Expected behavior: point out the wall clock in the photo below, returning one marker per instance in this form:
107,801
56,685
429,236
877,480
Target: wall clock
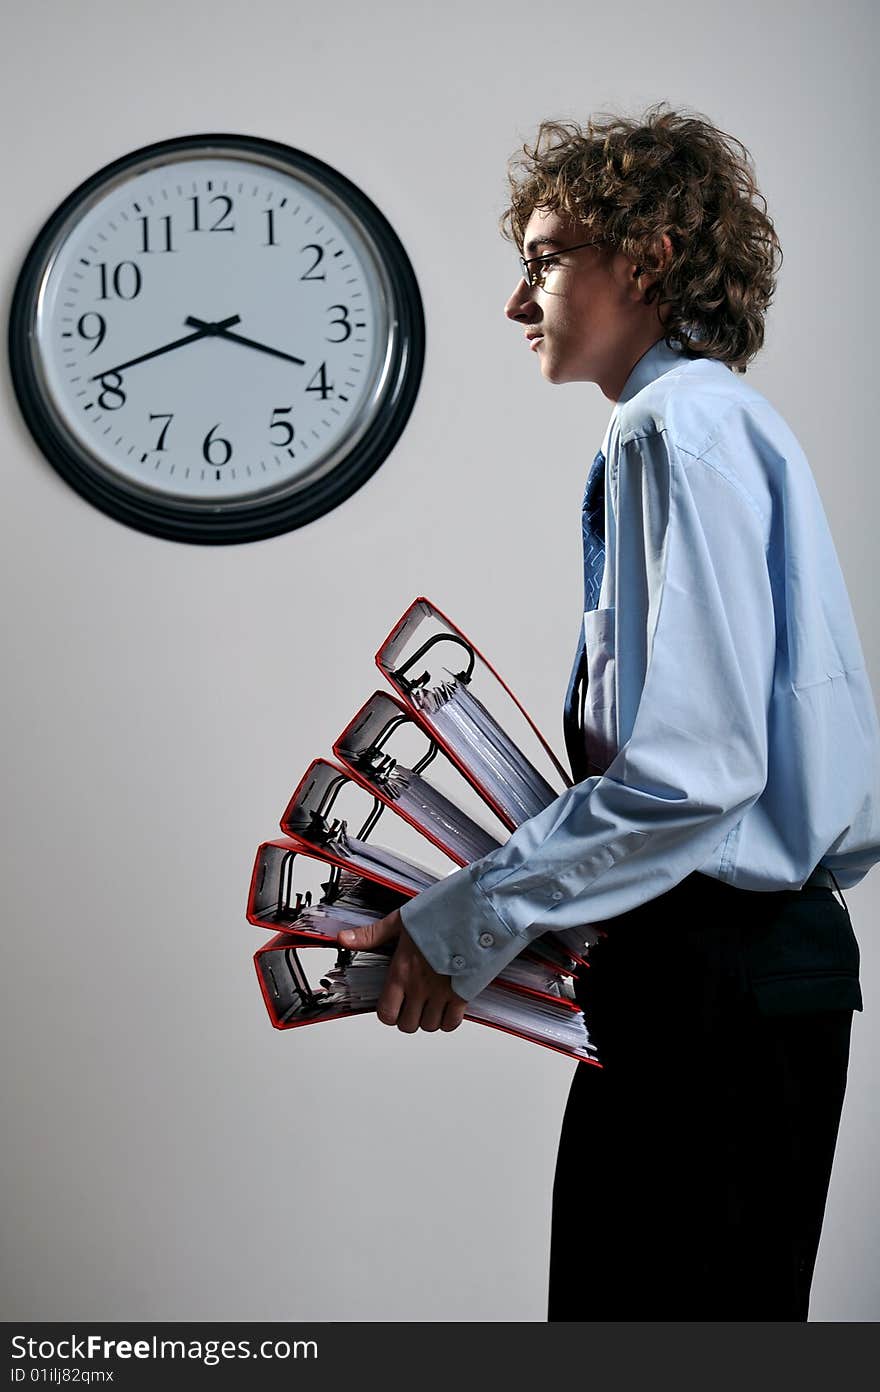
216,338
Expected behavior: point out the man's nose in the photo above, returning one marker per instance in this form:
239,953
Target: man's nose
521,305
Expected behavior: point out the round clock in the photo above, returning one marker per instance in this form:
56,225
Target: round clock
216,338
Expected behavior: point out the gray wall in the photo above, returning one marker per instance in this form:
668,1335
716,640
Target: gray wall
167,1154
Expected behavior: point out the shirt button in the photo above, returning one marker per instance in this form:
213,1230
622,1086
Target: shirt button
486,940
459,963
557,895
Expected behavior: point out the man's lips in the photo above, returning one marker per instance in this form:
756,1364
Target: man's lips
534,340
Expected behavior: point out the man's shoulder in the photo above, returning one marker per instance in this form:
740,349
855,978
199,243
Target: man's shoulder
701,411
690,404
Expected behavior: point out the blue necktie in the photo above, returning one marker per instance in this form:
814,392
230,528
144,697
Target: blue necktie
593,521
593,527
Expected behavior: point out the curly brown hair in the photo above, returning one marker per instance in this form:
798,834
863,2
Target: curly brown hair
628,181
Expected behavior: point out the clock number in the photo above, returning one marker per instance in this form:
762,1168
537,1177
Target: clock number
208,444
324,387
218,197
99,336
308,275
270,214
160,415
111,388
344,323
145,221
117,280
283,425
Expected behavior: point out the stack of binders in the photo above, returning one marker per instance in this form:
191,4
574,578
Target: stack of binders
457,782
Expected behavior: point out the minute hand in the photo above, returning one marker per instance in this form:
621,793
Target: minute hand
222,332
204,331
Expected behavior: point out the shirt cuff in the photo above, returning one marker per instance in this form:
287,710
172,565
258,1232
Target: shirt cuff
459,933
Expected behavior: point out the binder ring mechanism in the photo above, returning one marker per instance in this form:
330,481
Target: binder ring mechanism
412,683
332,890
380,766
309,1000
322,830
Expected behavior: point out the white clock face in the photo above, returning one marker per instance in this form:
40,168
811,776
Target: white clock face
213,329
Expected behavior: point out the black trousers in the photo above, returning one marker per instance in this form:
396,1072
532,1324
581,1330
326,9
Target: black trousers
693,1168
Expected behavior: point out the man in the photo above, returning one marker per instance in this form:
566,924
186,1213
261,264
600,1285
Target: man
726,757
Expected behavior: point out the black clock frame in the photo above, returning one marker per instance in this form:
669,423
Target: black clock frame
234,521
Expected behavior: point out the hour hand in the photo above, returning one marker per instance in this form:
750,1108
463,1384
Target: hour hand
204,330
222,331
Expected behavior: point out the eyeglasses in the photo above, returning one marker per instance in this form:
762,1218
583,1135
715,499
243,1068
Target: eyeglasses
536,278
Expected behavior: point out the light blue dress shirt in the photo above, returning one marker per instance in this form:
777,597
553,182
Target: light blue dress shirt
728,715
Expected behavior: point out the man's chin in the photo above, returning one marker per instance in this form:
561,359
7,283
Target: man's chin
552,372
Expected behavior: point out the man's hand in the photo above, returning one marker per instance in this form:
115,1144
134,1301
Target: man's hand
414,996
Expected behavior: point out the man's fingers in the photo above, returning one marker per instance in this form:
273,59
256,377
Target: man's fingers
411,1014
371,934
432,1015
359,939
453,1014
390,1003
414,996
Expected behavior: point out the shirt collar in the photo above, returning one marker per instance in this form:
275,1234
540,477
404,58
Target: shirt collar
658,359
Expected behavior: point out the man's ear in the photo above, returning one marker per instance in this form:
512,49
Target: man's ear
643,279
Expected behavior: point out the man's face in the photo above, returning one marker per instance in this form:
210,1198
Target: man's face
589,321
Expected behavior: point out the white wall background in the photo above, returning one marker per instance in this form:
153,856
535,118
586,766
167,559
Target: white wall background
167,1155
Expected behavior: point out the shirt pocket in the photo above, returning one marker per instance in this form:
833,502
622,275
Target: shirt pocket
600,702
